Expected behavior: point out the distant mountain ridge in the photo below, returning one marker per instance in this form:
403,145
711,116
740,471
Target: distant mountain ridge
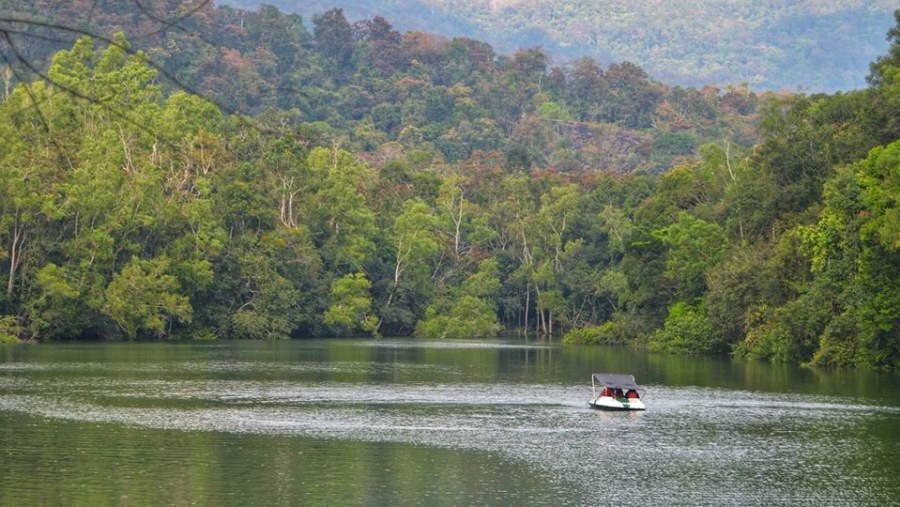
807,45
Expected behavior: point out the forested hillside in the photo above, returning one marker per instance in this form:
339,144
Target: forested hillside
817,45
394,184
368,85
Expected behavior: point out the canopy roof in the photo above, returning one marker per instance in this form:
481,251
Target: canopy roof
616,380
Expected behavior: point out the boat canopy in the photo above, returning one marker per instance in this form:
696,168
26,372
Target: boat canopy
616,380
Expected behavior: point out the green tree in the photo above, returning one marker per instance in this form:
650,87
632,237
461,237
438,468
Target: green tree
855,249
333,36
469,312
553,111
878,67
144,299
337,209
695,246
414,241
687,330
351,304
267,302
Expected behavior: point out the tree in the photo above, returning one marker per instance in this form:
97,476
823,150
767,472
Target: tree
266,305
454,216
333,36
553,111
351,305
855,248
143,298
695,246
414,241
335,205
617,226
885,107
878,68
469,312
26,202
687,330
530,62
586,88
740,286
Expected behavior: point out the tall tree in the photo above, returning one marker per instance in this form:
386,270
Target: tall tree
333,37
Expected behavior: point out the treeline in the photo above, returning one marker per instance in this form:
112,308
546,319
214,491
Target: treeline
692,43
131,211
819,45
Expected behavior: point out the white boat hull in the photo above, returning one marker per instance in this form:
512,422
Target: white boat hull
610,403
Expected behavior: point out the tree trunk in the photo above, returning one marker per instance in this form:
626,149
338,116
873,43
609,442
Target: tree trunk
398,269
541,321
458,223
15,254
550,319
527,304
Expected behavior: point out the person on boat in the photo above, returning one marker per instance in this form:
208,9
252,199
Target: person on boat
631,394
605,392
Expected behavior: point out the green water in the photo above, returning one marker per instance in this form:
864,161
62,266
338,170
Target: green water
401,422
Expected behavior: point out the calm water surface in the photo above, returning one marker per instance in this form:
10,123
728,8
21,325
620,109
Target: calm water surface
401,422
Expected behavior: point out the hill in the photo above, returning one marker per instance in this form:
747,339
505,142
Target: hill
370,85
809,45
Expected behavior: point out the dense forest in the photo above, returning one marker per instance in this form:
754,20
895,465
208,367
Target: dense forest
218,173
817,45
366,85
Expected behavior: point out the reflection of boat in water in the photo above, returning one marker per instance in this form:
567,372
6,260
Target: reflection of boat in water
617,391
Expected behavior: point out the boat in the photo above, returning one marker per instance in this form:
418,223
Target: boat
616,391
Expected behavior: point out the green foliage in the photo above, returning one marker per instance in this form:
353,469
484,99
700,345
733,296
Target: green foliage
672,144
879,178
334,36
67,302
855,251
427,186
469,312
788,333
695,246
553,111
877,68
142,298
449,97
846,313
740,285
687,329
678,41
351,304
265,282
10,330
338,208
466,317
608,333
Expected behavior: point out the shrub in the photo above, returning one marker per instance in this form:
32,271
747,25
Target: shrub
607,333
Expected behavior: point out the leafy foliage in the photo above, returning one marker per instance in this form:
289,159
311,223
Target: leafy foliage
430,187
351,307
688,329
451,97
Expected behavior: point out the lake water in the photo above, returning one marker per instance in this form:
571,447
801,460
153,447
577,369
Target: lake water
403,422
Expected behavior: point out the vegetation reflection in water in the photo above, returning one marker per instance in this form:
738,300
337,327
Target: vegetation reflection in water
404,422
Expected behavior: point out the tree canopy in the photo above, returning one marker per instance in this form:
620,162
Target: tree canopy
415,185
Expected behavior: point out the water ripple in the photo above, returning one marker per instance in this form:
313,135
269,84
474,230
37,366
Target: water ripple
754,448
